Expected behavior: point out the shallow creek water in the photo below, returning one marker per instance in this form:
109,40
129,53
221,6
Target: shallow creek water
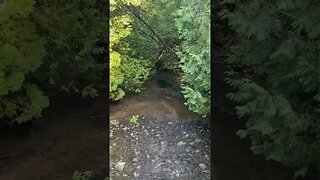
169,142
70,136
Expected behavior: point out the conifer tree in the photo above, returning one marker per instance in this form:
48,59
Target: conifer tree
277,78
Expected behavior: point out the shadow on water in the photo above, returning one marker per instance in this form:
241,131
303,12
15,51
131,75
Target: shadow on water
70,136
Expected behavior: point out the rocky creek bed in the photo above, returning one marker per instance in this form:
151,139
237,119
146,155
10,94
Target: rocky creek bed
169,141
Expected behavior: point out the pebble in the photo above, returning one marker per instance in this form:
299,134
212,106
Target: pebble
202,166
170,123
114,144
181,143
125,128
158,135
136,174
135,159
120,166
177,173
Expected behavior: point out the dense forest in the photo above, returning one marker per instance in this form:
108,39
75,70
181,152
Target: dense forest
270,49
47,47
146,37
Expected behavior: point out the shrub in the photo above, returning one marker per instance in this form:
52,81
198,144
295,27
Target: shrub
193,23
21,53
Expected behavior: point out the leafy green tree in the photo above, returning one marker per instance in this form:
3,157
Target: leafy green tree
276,76
21,53
128,68
48,45
193,22
75,32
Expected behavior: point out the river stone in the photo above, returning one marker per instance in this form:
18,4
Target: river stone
202,166
120,166
136,174
181,143
135,159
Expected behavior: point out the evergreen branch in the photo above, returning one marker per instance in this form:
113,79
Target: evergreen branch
280,11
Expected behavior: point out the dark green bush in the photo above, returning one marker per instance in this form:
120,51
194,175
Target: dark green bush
50,45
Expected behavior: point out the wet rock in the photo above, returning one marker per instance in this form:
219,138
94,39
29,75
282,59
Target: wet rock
120,166
181,143
202,166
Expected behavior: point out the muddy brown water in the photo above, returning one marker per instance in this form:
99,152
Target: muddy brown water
70,136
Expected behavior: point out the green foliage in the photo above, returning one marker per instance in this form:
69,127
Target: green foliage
158,15
193,23
119,29
75,34
137,71
21,52
278,86
48,45
114,122
81,175
134,119
128,69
